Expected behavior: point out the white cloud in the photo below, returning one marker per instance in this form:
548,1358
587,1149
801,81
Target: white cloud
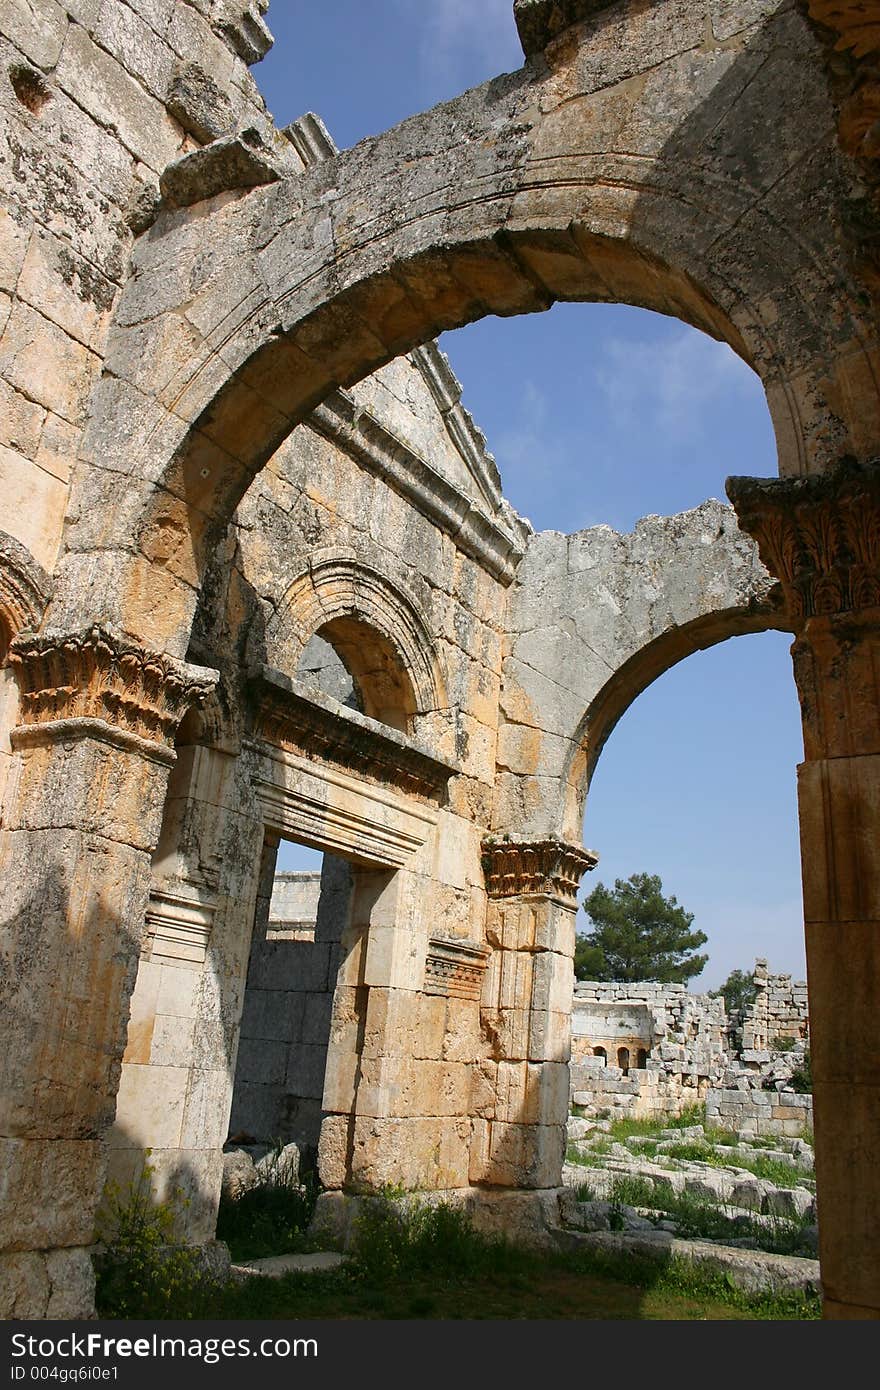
454,30
671,386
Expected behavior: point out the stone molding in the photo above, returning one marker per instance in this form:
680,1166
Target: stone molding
25,587
551,868
455,968
366,439
101,678
337,812
179,920
820,536
317,726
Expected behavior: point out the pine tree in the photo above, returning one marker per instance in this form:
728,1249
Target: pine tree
638,934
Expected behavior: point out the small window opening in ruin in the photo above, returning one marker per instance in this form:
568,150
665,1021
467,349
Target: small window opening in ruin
623,1059
358,666
30,87
641,1059
600,1052
303,907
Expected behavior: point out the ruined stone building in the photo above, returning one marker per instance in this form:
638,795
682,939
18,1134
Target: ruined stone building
653,1050
227,432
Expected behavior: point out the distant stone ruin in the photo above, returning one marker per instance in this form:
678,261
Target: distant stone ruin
654,1049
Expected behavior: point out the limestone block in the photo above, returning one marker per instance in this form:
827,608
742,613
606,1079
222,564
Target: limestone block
341,1080
46,364
48,1192
14,236
66,288
239,1173
123,34
206,1111
333,1149
790,1202
21,421
521,1156
103,87
306,1065
38,30
417,1153
195,100
239,161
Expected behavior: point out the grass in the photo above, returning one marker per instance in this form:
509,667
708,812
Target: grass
699,1218
428,1262
651,1127
269,1219
773,1170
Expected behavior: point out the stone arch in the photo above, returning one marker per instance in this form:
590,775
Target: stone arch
25,588
610,169
634,676
375,628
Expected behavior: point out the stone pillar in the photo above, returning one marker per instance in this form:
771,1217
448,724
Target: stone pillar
175,1088
95,748
821,538
520,1097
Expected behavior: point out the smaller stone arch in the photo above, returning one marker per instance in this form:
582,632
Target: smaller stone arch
623,1059
25,589
376,630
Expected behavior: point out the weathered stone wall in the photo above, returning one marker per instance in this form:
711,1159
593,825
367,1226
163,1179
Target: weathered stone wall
683,1035
285,1025
751,1110
779,1012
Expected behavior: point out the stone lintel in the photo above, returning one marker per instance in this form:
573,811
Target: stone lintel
536,868
305,721
238,161
539,22
97,678
819,535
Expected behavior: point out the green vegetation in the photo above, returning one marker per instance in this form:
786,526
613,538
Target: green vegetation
651,1127
638,934
701,1218
269,1219
410,1260
802,1076
772,1169
142,1269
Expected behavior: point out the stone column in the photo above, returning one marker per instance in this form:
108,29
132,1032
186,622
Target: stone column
520,1097
95,747
821,538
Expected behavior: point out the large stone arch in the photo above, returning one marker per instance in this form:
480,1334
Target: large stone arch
594,618
628,162
337,588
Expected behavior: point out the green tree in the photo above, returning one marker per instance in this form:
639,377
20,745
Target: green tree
738,991
638,934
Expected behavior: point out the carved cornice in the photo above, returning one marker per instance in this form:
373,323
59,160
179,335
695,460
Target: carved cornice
98,675
536,867
856,23
302,721
820,536
25,587
455,968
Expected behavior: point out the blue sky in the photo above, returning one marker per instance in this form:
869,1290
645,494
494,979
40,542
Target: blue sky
601,413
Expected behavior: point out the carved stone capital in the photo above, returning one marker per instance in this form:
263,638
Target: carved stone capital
820,537
855,22
97,675
549,868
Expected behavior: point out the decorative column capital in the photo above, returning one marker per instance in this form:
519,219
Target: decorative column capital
547,868
819,536
98,678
